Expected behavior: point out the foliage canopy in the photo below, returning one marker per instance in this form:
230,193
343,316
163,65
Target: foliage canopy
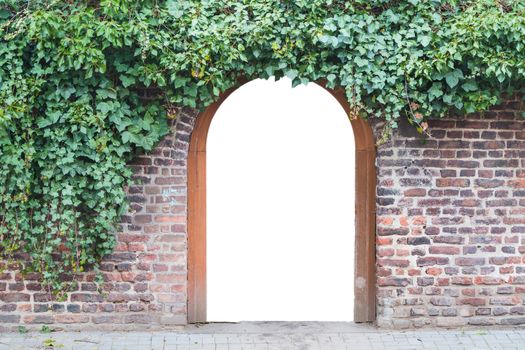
86,85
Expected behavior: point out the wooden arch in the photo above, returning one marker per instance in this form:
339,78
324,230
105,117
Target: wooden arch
365,198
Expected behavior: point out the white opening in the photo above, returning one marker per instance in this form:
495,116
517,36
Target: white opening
280,206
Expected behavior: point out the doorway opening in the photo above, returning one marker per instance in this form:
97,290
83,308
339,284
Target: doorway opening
280,199
271,208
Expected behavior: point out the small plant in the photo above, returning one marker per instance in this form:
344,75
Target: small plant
51,344
22,330
45,329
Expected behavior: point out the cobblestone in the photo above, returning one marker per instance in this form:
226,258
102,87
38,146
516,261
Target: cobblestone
272,336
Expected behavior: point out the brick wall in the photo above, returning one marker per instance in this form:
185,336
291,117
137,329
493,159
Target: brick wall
145,277
450,221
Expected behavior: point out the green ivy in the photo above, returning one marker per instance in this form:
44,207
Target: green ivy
86,85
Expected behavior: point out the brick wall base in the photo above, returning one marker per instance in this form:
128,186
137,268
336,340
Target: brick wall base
451,223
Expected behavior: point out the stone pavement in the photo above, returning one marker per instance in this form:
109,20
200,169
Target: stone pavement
271,335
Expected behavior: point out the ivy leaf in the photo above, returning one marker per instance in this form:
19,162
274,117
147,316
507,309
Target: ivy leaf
103,107
469,86
435,91
360,62
292,74
127,80
106,93
174,8
126,136
52,118
425,40
66,92
4,14
452,78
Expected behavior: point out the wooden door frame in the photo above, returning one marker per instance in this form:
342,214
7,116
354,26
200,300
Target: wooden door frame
365,199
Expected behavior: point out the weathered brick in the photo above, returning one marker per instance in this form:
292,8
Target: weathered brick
9,318
448,250
441,301
39,319
489,183
452,182
415,192
512,125
514,321
462,280
432,260
87,297
448,239
106,319
393,281
14,297
72,318
138,318
506,300
8,307
469,261
418,240
472,301
389,231
425,281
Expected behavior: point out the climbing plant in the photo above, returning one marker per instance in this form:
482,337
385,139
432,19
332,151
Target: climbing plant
86,85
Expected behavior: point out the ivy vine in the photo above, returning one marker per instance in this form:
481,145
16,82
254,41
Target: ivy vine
86,85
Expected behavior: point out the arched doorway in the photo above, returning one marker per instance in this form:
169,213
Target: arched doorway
364,284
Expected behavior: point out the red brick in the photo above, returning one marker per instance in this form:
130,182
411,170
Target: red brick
470,261
393,262
430,261
14,297
415,192
447,250
451,182
393,281
489,280
472,301
462,280
517,183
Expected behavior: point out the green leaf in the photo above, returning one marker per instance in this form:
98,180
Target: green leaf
103,107
292,74
360,62
469,86
127,80
4,14
452,78
425,40
174,8
52,118
435,91
126,136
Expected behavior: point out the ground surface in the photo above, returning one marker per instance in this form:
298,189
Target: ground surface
271,335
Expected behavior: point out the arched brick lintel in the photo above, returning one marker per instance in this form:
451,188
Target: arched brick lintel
365,192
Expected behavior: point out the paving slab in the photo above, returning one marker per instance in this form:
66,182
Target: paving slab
272,336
